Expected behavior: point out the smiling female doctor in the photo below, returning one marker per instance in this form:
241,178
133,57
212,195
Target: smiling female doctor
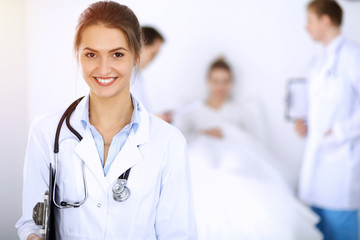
330,176
118,135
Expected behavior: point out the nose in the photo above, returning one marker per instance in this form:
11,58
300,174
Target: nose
104,67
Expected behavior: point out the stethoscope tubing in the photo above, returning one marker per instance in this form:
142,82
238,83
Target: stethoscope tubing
66,117
118,196
333,70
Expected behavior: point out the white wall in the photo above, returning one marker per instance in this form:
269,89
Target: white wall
13,118
264,40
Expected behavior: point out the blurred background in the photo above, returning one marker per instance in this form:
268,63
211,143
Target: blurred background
265,42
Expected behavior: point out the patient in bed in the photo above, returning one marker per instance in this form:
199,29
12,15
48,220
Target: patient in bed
238,193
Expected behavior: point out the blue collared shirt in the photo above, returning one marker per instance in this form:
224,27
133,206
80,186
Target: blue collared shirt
118,140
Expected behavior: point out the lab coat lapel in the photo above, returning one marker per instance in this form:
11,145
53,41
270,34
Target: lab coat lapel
127,158
87,151
130,154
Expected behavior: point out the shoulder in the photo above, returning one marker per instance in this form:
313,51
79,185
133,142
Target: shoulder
351,44
167,144
351,49
46,121
42,132
161,130
350,59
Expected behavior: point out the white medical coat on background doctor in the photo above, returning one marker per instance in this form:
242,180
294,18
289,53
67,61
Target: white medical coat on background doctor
159,207
330,176
139,89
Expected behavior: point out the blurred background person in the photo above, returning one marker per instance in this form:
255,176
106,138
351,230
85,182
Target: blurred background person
237,187
217,108
330,176
151,43
265,63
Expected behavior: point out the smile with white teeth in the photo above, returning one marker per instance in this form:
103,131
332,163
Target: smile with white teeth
105,80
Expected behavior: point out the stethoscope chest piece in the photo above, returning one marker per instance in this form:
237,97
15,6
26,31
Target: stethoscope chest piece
120,191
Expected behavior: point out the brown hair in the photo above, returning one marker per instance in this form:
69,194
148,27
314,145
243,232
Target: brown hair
327,7
219,63
112,15
150,34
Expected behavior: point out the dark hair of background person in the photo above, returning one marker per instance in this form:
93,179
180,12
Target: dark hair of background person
219,63
327,7
112,15
150,34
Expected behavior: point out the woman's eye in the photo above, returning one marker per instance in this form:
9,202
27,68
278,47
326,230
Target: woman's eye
90,55
118,55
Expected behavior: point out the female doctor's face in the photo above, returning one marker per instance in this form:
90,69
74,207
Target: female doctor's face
220,83
106,60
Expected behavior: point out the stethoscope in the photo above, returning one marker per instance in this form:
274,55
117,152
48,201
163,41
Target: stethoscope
329,74
332,72
120,191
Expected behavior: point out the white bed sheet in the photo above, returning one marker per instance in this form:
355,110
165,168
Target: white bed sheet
238,194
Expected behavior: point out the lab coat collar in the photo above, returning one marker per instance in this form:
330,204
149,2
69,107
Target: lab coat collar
135,119
140,136
129,155
334,44
77,115
87,151
86,148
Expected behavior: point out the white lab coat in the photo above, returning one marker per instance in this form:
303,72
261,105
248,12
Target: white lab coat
139,89
330,175
160,205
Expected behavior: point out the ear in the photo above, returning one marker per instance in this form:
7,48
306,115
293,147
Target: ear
325,19
137,61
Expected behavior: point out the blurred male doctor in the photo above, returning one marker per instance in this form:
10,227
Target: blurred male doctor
330,174
151,43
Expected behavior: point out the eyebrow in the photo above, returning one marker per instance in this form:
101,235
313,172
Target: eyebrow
113,50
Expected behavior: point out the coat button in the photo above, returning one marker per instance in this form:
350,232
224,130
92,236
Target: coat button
99,205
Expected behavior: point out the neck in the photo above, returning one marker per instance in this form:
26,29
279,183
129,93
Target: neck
215,102
107,113
330,35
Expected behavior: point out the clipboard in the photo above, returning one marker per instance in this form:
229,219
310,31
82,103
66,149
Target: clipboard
43,212
50,226
296,106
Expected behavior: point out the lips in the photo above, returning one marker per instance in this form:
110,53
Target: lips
105,81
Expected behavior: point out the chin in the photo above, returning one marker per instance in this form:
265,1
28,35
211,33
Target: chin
315,38
112,91
222,95
109,94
